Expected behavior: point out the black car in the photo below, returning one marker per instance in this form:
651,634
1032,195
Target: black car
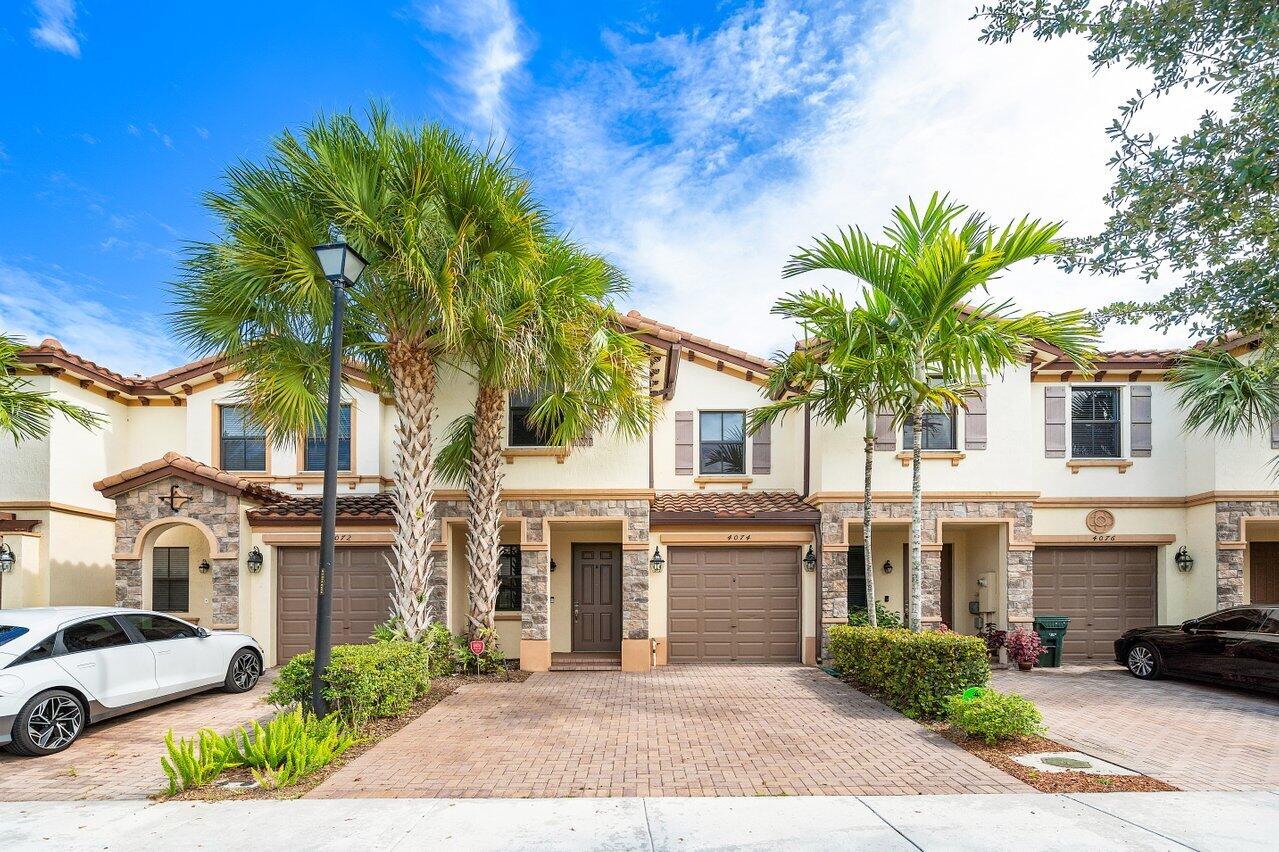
1238,646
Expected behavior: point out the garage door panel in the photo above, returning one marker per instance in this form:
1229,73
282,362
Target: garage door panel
732,603
360,601
1104,590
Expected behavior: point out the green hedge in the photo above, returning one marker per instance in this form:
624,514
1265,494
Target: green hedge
913,672
363,681
993,716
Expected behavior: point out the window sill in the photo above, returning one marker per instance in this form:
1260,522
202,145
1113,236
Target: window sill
730,479
557,453
1121,465
954,456
507,615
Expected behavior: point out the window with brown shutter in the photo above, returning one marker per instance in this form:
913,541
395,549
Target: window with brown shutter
885,435
762,449
1055,421
1139,414
684,443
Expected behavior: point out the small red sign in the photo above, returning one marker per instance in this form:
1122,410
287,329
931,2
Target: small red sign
477,647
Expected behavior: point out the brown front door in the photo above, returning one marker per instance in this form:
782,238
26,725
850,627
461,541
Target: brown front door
597,597
947,586
1105,591
1263,572
733,604
361,596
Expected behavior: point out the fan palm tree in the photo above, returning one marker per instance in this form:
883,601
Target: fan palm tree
27,414
433,216
846,363
1227,396
551,334
933,269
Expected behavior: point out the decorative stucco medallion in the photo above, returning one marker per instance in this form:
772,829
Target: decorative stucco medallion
1100,521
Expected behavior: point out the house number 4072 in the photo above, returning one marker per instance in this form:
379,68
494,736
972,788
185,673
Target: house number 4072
739,536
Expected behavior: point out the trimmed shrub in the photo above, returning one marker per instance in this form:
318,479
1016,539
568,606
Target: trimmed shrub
1024,647
913,672
437,640
993,716
883,617
362,682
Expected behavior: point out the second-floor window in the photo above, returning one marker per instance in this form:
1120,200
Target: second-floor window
313,452
1094,423
939,431
242,443
722,448
520,430
508,579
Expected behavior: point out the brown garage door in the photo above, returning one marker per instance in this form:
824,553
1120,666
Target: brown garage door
733,604
1104,590
361,585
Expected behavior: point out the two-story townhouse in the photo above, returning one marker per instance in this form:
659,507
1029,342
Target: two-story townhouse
1053,493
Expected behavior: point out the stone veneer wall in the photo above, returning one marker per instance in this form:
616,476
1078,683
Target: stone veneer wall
1230,560
535,564
1020,563
216,509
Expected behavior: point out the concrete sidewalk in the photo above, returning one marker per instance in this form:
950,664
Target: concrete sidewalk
1206,820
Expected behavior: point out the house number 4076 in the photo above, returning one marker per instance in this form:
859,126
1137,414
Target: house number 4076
739,536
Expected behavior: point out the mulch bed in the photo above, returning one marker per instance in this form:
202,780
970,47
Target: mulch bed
1000,755
372,734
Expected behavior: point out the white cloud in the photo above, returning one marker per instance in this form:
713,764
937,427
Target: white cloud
202,132
55,28
484,54
785,123
35,305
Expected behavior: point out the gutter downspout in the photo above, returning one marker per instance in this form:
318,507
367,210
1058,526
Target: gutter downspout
808,447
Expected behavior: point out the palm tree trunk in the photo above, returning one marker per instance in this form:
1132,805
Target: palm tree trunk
916,523
484,532
866,520
418,596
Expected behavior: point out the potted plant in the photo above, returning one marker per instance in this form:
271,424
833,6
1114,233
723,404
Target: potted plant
994,638
1024,648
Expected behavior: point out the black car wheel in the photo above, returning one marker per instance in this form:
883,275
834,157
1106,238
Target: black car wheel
1143,661
244,671
49,723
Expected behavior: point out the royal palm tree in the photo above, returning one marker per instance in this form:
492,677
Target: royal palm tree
432,215
550,333
27,414
933,269
846,363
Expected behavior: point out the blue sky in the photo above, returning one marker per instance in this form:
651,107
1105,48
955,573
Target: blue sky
696,143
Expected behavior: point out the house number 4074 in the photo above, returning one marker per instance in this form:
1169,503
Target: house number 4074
739,536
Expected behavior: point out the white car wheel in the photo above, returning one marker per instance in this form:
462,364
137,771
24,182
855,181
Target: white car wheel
48,724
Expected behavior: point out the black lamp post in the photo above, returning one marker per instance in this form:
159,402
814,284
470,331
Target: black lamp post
342,266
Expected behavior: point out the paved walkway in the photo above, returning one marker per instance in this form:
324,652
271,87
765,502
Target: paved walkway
1104,821
678,731
1193,736
120,759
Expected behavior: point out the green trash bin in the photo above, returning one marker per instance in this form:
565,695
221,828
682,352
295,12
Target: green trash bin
1052,633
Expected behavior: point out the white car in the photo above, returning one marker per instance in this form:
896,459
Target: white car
63,668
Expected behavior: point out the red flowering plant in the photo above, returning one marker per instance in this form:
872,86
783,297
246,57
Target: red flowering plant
1023,647
994,637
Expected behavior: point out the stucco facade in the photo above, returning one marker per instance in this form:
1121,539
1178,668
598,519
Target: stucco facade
1008,489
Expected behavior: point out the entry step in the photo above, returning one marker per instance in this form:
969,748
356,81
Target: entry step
579,662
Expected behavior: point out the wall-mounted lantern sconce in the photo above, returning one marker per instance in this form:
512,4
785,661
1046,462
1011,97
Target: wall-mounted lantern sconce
888,566
205,567
7,559
657,563
254,560
552,566
810,560
1184,561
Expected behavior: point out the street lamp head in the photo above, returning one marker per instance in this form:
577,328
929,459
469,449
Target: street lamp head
341,263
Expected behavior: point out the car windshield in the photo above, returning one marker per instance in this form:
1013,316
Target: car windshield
8,633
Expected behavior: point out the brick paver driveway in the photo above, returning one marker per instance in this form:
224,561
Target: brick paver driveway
1192,736
120,759
678,731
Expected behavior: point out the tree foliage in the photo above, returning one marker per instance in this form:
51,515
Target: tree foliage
1202,204
27,414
